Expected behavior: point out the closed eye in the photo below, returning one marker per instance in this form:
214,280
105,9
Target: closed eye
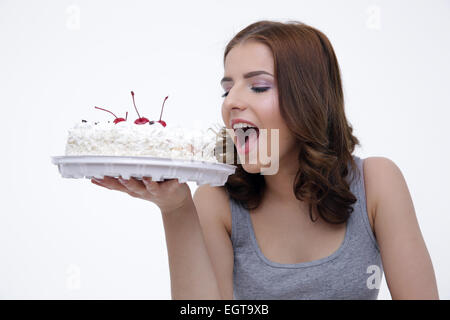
255,89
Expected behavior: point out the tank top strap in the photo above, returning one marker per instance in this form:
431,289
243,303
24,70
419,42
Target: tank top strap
240,237
360,207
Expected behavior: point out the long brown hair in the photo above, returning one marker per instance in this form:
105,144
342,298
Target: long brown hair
312,105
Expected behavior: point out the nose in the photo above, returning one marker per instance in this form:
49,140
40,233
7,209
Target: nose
231,110
233,103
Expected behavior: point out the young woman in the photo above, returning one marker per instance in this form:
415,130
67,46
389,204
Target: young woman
326,225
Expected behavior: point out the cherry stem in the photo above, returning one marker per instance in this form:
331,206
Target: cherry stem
162,108
107,111
132,95
126,116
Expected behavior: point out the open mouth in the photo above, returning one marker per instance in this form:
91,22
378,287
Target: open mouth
246,138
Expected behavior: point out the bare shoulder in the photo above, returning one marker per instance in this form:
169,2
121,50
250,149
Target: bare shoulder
403,250
380,173
213,202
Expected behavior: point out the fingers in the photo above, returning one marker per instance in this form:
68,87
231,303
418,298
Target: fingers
155,187
103,183
97,182
133,185
111,183
151,186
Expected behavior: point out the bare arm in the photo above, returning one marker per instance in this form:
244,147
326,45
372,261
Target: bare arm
191,270
214,212
406,261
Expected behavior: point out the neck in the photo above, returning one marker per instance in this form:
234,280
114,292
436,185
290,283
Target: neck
280,186
280,190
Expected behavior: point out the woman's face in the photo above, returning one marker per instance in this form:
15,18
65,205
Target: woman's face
251,94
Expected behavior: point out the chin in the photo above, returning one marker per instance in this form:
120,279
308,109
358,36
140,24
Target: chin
250,162
251,168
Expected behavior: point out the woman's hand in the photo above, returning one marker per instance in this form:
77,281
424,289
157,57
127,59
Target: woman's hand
168,195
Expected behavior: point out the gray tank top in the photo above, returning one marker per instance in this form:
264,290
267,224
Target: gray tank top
354,271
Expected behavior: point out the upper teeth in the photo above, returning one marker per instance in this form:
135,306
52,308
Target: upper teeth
242,125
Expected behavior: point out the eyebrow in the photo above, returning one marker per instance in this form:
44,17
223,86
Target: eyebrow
246,76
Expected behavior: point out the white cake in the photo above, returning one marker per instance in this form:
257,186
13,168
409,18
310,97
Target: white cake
129,139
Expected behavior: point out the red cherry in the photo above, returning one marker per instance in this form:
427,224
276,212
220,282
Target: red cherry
140,120
117,120
163,123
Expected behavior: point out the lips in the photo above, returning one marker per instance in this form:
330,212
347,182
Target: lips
240,120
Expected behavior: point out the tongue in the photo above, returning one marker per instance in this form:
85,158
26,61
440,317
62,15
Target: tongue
244,137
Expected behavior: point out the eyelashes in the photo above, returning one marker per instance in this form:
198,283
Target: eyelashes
255,89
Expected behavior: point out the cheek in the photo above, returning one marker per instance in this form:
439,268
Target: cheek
269,111
269,116
225,116
278,138
285,140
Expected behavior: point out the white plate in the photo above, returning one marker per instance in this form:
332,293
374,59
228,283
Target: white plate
202,172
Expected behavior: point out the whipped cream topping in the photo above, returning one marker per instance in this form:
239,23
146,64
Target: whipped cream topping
129,139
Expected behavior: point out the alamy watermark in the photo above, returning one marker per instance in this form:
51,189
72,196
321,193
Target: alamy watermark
73,17
373,21
269,161
374,280
73,277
